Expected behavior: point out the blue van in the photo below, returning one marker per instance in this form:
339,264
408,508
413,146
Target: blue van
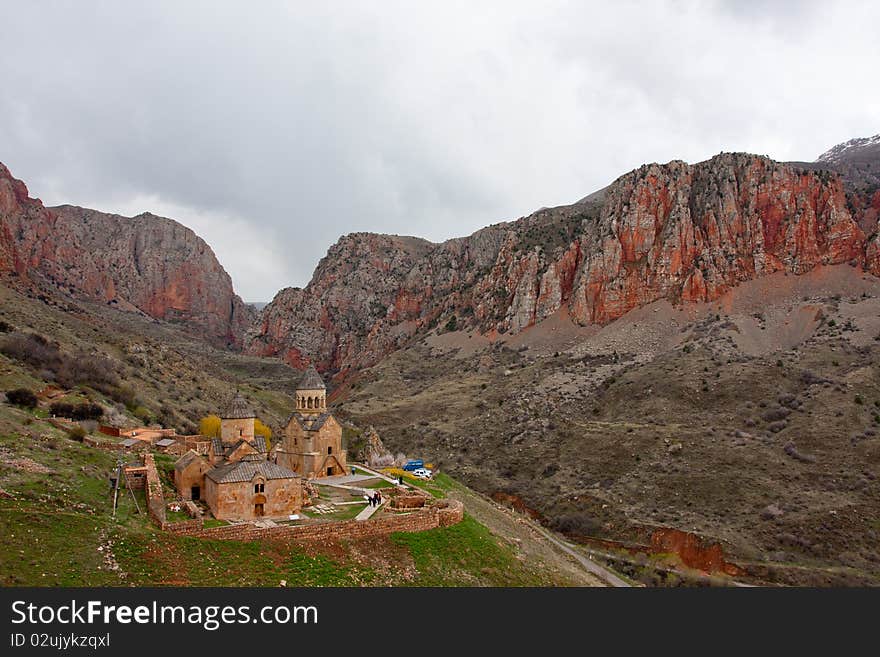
414,465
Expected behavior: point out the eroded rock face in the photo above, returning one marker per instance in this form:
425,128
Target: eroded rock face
675,231
146,262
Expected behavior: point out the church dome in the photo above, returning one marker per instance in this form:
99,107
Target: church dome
238,409
311,380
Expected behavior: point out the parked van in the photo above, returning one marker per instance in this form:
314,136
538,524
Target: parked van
414,465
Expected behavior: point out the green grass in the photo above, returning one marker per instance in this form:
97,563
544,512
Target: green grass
466,554
437,487
346,512
379,483
52,529
213,522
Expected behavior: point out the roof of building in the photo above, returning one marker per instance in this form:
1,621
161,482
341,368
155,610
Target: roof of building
166,442
309,422
185,460
216,446
311,380
128,442
238,409
260,443
246,470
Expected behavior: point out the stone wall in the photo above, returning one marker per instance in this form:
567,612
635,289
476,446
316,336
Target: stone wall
155,499
450,512
442,514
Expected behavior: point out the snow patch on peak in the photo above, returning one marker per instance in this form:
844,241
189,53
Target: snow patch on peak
834,154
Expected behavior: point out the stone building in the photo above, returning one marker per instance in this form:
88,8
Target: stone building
235,477
237,421
312,442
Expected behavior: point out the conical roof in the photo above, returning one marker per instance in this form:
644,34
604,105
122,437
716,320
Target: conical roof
311,380
238,409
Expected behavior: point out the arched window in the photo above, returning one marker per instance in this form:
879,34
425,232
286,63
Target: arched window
330,450
310,402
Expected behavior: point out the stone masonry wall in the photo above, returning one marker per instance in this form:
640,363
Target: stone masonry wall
443,514
155,499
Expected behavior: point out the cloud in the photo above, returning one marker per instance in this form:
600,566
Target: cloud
272,130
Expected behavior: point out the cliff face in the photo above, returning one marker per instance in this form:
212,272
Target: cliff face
146,262
676,231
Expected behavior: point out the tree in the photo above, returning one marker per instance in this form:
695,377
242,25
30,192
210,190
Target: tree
22,397
210,426
261,429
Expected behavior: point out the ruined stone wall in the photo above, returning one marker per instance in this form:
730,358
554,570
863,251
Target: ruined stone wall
155,499
450,512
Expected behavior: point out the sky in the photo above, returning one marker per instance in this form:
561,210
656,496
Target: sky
274,128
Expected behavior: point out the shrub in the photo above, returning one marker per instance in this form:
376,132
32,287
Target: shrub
69,370
452,324
210,426
578,523
22,397
261,429
77,433
775,414
5,327
84,411
858,400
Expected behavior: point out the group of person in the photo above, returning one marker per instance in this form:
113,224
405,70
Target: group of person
375,499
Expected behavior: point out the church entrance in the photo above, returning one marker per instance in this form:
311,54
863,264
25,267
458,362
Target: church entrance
330,471
195,493
259,505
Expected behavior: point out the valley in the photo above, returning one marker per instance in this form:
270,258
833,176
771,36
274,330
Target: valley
693,348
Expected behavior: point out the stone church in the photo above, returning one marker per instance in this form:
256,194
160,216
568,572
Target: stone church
312,442
235,478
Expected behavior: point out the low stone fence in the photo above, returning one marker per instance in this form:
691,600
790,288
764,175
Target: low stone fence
441,514
102,444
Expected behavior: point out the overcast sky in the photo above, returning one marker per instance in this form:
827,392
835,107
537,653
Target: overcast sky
273,128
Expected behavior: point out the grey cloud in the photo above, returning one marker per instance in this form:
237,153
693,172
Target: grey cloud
276,128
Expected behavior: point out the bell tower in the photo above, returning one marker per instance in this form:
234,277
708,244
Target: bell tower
311,393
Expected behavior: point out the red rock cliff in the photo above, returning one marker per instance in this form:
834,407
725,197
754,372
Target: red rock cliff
676,231
151,263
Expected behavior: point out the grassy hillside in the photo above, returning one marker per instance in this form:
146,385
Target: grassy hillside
56,529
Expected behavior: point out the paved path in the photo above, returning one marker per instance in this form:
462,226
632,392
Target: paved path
368,511
337,480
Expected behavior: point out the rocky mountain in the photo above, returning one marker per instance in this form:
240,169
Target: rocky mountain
678,232
858,163
145,263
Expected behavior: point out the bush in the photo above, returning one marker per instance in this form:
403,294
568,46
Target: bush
77,433
84,411
69,370
578,523
22,397
775,414
5,327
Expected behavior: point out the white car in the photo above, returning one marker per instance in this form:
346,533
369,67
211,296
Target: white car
422,473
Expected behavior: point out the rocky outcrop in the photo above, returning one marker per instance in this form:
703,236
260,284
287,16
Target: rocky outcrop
675,231
146,263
